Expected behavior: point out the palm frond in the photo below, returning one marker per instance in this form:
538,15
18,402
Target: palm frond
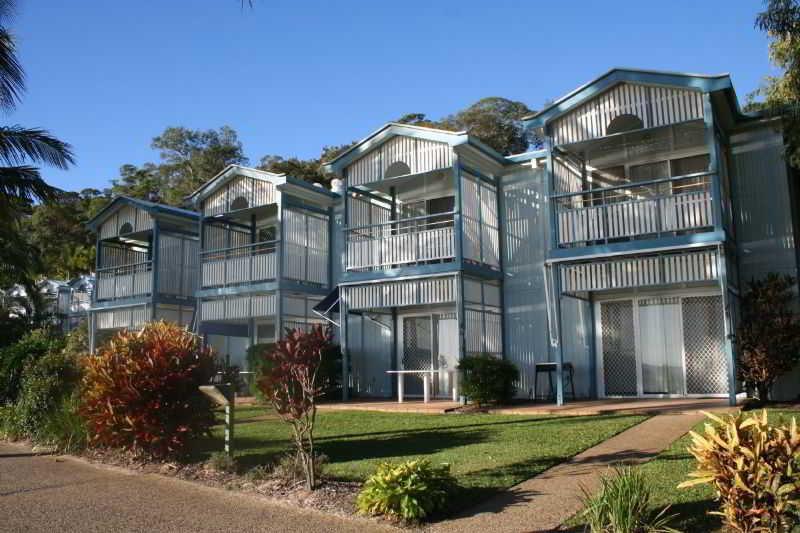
19,145
12,77
23,183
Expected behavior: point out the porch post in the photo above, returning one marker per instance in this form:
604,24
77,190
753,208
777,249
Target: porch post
343,343
154,266
726,321
558,344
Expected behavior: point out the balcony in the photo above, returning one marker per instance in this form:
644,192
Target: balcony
397,243
125,281
669,206
239,264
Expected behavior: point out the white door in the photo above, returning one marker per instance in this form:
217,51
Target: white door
660,346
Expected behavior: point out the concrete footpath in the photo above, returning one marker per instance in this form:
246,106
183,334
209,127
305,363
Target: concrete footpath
544,502
52,493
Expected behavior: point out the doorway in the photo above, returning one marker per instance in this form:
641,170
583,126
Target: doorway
661,346
428,341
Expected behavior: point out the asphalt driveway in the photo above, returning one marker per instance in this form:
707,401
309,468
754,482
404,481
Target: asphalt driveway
49,493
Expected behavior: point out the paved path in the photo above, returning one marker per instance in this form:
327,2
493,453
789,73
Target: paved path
48,493
544,502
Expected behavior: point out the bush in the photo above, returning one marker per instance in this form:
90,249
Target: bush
290,383
769,333
487,379
329,373
411,491
754,468
622,505
14,358
48,386
140,391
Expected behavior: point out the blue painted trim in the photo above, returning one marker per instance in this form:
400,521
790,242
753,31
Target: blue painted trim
620,75
631,247
295,286
478,174
482,271
527,156
306,185
150,207
458,205
294,204
156,252
269,286
122,302
223,328
401,272
384,133
713,161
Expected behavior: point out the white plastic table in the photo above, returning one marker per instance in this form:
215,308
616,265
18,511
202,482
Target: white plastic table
426,382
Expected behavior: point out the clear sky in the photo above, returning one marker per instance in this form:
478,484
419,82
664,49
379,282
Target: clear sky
292,76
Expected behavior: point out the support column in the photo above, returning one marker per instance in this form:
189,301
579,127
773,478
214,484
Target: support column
559,347
343,344
730,356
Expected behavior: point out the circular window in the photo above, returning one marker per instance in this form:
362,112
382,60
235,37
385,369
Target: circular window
240,202
622,123
398,168
126,228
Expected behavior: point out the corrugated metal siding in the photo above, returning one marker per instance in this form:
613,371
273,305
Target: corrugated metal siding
525,226
124,317
244,190
655,106
483,320
138,219
480,222
238,307
370,352
639,271
177,268
306,244
419,154
401,293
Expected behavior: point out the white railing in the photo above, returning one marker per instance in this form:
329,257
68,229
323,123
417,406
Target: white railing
125,281
240,264
652,208
408,241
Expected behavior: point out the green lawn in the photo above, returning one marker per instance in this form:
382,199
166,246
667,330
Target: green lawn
692,504
486,452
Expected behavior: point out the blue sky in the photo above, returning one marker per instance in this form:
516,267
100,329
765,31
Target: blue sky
292,76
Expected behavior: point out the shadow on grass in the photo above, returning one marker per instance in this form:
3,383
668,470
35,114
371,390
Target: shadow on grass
537,421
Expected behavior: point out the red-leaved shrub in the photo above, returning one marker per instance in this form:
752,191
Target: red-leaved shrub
140,391
290,382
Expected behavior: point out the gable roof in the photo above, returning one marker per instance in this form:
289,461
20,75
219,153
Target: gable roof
151,207
396,129
232,171
615,76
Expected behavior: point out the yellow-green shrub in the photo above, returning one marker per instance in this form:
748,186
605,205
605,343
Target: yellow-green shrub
412,490
753,466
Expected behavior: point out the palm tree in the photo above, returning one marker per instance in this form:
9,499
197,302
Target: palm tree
20,148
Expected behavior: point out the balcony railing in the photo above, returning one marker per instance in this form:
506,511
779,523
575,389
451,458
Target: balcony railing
239,264
125,281
409,241
634,210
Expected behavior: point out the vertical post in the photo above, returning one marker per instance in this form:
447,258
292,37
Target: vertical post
726,321
229,421
343,344
713,161
426,387
559,348
154,266
400,387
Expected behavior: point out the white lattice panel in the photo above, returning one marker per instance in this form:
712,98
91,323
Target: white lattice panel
704,338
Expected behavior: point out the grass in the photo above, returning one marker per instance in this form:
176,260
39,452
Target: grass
487,453
692,504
